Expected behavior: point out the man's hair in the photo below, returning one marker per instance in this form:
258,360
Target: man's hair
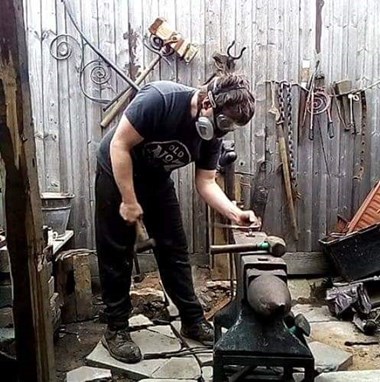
232,96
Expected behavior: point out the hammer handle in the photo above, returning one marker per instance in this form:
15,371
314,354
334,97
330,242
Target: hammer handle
141,232
236,248
114,110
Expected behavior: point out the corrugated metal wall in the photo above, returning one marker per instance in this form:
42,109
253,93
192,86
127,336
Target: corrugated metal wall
280,37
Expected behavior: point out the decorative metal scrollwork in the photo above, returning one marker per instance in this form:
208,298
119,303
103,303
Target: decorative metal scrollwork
61,47
95,75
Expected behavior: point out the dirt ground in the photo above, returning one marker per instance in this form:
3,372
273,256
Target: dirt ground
76,340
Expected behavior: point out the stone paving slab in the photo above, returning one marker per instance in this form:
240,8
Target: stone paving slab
163,329
88,374
336,333
205,359
139,321
100,357
167,380
299,289
153,342
207,373
350,376
328,358
7,334
314,313
179,368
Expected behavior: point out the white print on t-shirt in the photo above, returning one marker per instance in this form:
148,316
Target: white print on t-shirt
170,154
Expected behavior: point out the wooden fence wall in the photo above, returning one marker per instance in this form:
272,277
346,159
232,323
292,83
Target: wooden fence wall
280,37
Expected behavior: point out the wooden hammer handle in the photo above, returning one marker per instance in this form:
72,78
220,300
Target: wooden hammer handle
120,103
141,232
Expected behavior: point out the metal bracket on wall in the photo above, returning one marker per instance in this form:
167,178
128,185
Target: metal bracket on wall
99,71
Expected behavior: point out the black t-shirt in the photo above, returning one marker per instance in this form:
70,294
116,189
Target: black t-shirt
161,114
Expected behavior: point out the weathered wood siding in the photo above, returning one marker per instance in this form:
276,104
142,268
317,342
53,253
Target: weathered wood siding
279,35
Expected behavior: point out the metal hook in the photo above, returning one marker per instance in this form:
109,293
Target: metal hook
232,56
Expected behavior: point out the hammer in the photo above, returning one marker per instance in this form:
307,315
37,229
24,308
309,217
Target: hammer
142,243
273,244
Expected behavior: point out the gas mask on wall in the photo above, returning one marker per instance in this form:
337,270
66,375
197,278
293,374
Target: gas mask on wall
218,125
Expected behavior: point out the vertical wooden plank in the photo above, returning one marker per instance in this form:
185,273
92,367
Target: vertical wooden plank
263,123
34,37
354,38
213,28
331,37
106,41
373,67
197,18
150,14
305,152
347,139
80,213
2,190
240,29
121,40
292,65
185,174
274,70
365,30
197,67
135,35
320,168
31,313
50,98
66,164
167,11
93,110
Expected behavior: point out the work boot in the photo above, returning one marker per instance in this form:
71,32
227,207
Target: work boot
201,331
121,346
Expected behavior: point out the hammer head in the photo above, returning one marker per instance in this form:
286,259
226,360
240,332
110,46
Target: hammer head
277,246
144,245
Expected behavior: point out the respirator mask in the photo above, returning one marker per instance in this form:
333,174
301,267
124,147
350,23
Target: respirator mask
218,125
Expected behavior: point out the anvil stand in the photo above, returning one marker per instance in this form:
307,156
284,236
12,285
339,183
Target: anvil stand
252,342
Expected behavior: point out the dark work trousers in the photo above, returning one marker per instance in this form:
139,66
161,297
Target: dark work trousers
115,240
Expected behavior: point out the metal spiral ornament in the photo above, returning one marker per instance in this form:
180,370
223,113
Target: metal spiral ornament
99,74
321,102
61,47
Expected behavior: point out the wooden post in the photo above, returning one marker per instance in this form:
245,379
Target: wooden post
221,264
32,317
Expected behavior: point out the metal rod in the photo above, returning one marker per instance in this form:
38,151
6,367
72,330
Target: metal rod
236,248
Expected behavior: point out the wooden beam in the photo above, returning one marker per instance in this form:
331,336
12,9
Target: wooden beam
32,317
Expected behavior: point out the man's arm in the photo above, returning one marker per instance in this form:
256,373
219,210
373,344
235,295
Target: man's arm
214,196
124,139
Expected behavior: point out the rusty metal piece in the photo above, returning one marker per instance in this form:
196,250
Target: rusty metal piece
269,296
368,213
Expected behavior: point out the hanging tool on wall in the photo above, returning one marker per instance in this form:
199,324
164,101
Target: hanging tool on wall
284,156
285,106
321,104
225,63
340,91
